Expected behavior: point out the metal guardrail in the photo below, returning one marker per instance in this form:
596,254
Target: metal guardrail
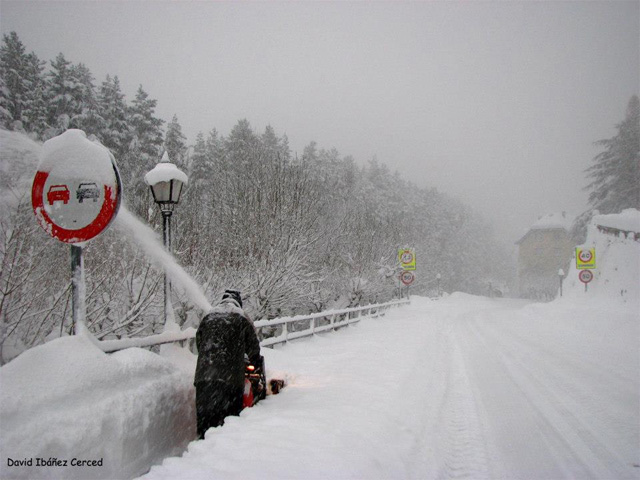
618,232
318,322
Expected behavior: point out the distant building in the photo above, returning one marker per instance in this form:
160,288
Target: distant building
543,251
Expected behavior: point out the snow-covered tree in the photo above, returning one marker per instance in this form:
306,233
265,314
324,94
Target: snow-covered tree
5,113
115,133
176,143
89,115
295,234
13,60
146,127
144,150
59,94
35,113
615,173
199,171
21,77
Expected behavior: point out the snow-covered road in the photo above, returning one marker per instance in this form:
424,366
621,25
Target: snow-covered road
463,387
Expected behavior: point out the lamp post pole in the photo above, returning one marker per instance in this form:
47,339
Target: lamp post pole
166,182
166,240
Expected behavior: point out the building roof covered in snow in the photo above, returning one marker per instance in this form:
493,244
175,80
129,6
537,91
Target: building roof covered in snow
551,221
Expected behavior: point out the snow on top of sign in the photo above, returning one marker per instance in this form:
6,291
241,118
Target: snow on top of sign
164,172
73,155
628,220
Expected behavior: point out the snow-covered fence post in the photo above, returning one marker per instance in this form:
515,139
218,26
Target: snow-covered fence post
285,332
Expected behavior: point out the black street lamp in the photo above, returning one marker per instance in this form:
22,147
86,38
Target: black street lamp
166,182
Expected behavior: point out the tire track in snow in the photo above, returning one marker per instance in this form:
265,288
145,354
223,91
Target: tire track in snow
460,440
576,450
585,408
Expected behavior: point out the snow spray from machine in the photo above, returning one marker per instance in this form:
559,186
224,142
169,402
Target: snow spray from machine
135,230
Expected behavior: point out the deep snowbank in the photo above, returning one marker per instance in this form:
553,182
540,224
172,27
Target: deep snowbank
68,400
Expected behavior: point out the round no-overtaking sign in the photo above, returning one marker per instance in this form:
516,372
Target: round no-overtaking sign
76,191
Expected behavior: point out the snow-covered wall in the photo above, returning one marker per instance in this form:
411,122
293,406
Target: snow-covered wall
66,401
617,272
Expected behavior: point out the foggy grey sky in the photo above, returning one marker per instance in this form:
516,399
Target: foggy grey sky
497,104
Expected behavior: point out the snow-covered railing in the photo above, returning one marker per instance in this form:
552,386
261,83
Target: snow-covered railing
318,322
321,321
109,346
617,232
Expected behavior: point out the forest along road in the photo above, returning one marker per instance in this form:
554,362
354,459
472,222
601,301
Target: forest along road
462,387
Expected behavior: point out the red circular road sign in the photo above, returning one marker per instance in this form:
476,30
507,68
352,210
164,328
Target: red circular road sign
585,256
76,191
406,257
585,276
407,277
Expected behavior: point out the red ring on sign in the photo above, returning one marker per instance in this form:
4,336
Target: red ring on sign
409,255
585,276
585,256
101,222
407,278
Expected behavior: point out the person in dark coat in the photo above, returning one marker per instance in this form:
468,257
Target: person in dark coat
223,338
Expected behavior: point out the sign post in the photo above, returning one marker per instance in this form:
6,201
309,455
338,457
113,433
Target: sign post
76,194
78,304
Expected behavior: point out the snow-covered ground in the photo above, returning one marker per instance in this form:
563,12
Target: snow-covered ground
461,387
465,387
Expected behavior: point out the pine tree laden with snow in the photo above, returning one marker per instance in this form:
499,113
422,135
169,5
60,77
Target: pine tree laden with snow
176,143
615,173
